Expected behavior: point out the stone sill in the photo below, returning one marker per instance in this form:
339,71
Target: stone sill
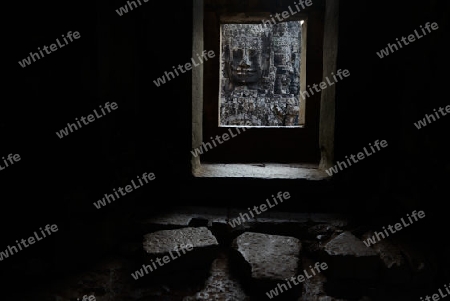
261,171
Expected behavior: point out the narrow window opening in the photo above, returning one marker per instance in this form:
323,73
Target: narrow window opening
288,144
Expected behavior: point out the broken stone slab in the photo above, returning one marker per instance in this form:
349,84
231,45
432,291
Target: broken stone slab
181,217
270,256
263,260
182,249
349,258
394,268
163,241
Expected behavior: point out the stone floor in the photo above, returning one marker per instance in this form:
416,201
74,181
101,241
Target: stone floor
245,262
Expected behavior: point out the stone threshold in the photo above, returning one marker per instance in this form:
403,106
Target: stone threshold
261,171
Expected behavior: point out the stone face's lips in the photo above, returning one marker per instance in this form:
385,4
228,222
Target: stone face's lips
244,70
244,73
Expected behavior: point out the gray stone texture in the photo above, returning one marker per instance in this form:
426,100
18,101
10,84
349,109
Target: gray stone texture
260,80
270,257
165,243
167,240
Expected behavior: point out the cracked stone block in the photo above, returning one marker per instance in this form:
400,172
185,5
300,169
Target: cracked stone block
264,260
349,258
395,269
183,249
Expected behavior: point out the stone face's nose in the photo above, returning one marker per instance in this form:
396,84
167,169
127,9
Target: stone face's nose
245,62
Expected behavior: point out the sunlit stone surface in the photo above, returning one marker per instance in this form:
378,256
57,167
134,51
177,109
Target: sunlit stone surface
260,74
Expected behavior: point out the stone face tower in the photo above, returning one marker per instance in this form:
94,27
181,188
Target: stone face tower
260,74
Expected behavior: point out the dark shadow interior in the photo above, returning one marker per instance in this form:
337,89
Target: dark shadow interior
117,58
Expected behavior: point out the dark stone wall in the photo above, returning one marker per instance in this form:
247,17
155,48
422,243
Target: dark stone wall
116,60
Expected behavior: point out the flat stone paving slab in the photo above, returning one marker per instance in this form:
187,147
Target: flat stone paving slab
165,241
186,249
271,257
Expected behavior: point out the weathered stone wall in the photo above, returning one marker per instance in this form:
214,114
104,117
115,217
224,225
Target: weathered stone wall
260,71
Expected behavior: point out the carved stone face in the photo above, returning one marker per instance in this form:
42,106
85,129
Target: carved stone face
260,74
245,65
243,60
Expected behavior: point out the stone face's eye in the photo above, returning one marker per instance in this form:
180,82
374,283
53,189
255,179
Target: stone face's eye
238,54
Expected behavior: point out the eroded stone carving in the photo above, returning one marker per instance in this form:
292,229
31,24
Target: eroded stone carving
260,80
